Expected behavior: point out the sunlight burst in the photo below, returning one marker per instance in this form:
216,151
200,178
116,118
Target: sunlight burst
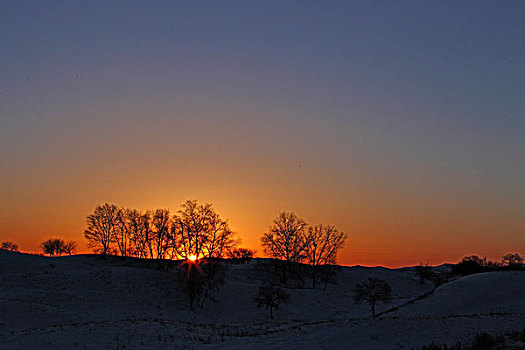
192,257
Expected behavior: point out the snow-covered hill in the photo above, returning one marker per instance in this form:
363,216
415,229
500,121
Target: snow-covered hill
85,302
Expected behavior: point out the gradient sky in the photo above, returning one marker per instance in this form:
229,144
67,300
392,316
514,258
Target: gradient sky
400,123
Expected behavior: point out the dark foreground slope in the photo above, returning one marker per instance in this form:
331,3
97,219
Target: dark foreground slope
85,302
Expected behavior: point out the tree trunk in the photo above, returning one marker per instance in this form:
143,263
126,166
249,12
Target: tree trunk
283,276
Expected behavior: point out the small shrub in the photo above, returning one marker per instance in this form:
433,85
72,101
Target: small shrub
241,255
439,346
517,335
484,341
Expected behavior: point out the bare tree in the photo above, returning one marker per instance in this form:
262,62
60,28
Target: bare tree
70,247
48,247
102,226
322,244
220,238
161,222
201,279
189,229
7,245
214,274
271,297
285,239
198,230
328,274
372,291
192,281
53,246
122,232
140,232
424,272
512,260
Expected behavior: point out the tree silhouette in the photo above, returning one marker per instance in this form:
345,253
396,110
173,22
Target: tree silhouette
189,229
512,260
214,274
70,247
7,245
469,265
322,242
220,239
424,272
161,222
193,280
441,278
200,280
53,246
372,291
198,230
285,239
195,230
139,232
271,297
241,255
101,228
328,274
122,232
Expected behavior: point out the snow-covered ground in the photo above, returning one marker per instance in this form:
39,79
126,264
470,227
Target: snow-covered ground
84,302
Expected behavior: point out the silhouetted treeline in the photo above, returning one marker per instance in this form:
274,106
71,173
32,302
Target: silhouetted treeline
8,245
57,247
196,230
474,264
195,233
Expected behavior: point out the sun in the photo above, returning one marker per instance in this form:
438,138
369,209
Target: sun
192,257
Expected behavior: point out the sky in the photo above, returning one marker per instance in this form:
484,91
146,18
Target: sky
400,123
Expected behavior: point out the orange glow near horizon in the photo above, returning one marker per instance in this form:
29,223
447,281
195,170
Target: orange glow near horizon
192,257
371,238
387,224
390,221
